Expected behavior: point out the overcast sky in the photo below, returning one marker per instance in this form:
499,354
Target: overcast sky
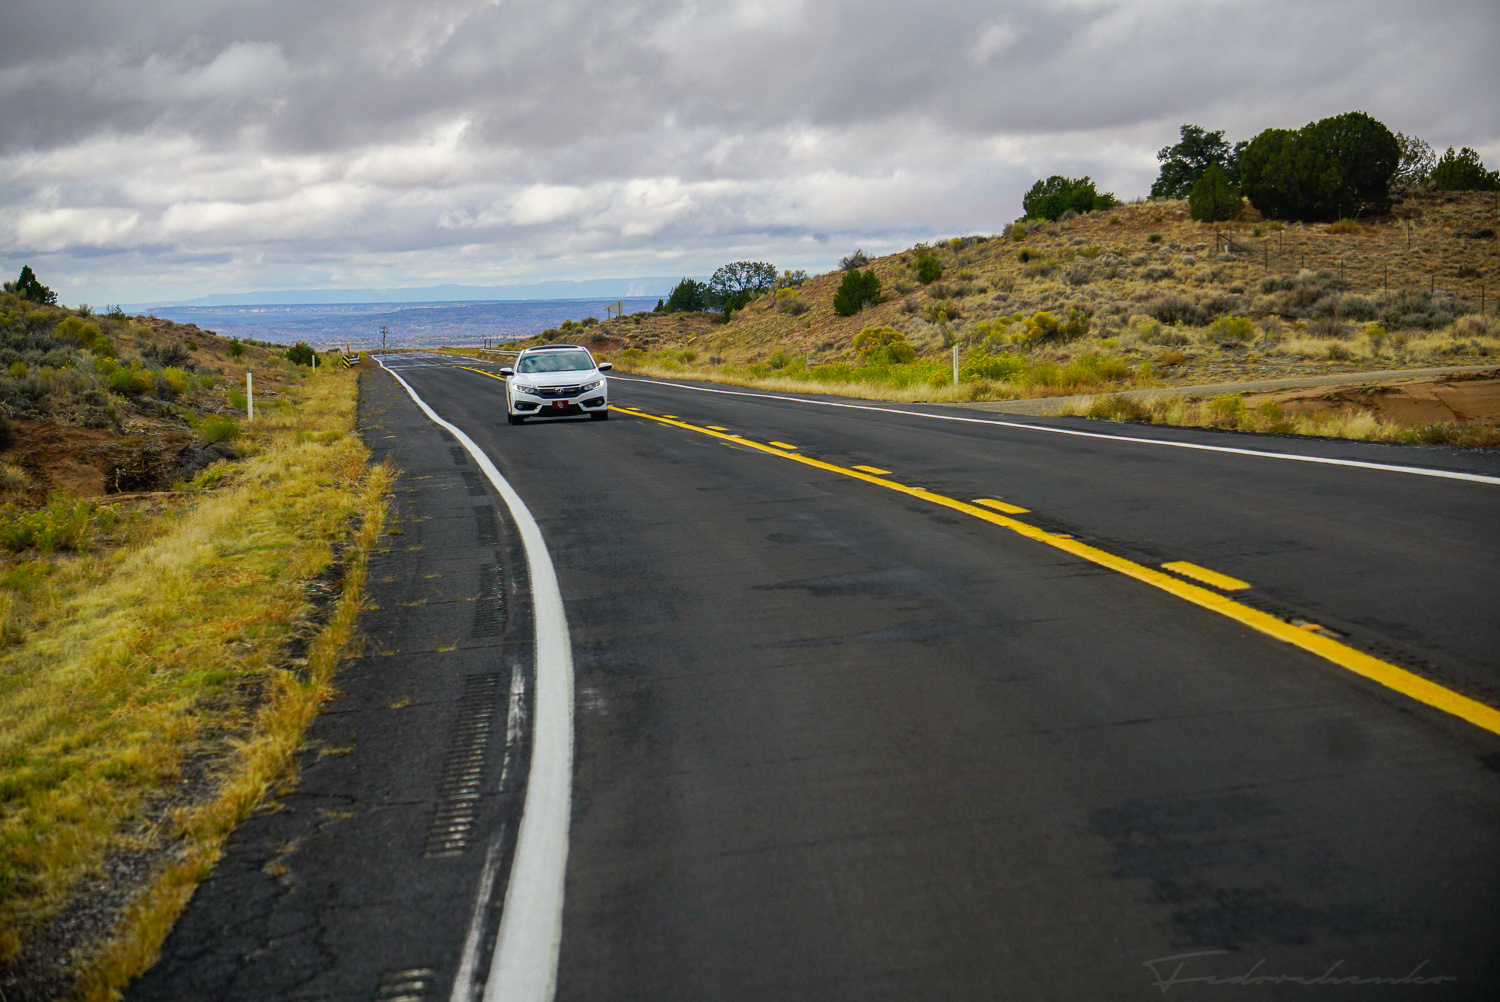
175,148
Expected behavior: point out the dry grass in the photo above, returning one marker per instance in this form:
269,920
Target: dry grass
166,652
1310,294
1230,413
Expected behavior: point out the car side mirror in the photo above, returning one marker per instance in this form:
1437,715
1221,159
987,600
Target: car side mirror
506,370
603,366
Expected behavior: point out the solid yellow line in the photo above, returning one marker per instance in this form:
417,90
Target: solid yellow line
1358,662
1220,581
784,445
1009,509
871,469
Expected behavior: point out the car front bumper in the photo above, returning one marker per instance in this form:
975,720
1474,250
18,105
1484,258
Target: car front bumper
543,404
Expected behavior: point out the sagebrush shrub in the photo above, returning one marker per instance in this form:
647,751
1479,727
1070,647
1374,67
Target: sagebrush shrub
219,428
926,264
1233,329
1175,309
980,364
131,381
883,346
62,525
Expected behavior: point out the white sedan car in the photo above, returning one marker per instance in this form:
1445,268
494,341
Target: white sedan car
556,380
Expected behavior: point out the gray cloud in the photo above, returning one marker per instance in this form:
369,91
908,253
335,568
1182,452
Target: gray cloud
175,149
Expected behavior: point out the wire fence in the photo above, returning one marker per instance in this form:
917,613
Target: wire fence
1289,250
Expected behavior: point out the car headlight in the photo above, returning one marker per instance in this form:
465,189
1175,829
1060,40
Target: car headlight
591,386
525,387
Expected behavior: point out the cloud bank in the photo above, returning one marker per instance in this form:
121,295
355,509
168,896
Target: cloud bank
174,149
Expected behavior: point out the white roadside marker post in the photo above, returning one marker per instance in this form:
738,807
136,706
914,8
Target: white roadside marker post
955,365
249,395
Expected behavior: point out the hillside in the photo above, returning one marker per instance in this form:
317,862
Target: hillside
97,405
1150,283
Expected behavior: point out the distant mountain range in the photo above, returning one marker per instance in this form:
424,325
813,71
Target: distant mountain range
598,288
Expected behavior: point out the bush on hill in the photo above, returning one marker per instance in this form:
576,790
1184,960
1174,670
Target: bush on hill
1464,171
858,290
689,297
926,264
1213,198
883,346
1049,199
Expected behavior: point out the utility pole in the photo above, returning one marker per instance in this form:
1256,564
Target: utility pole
384,330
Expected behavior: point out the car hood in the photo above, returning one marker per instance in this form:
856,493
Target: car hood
571,378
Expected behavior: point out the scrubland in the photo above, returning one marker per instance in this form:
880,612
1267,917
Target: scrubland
1134,297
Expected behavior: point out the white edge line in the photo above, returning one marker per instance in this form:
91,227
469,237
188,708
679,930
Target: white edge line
1298,457
524,968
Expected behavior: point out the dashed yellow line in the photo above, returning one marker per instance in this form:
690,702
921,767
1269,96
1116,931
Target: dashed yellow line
481,372
1362,664
784,445
1221,581
711,427
1009,509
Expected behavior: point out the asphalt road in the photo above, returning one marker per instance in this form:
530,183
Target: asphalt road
837,741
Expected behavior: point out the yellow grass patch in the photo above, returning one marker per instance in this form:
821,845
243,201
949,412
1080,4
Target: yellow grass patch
168,651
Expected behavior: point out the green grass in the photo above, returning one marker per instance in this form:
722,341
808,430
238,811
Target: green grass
982,376
105,689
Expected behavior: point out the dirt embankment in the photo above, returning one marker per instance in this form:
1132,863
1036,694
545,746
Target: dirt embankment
67,429
1468,397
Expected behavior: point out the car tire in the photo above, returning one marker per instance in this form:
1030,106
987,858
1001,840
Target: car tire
599,415
515,418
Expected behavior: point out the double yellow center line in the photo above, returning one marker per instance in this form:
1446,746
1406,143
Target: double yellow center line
1328,648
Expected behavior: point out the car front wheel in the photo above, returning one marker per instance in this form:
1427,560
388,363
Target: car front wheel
515,418
599,415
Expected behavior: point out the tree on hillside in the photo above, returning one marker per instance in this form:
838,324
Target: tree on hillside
1049,199
1417,161
1213,198
1464,171
1367,154
742,276
688,297
1184,162
856,291
1327,170
1287,177
27,287
300,353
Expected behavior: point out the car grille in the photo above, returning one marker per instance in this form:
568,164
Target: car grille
552,392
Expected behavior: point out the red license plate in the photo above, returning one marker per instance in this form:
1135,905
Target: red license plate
559,405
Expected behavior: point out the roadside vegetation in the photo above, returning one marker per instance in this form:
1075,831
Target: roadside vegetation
1233,412
164,640
1391,265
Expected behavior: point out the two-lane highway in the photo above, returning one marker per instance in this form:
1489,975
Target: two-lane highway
880,705
835,741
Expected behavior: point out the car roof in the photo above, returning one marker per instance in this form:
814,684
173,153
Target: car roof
554,347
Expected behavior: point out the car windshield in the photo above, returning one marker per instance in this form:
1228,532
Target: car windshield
556,361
